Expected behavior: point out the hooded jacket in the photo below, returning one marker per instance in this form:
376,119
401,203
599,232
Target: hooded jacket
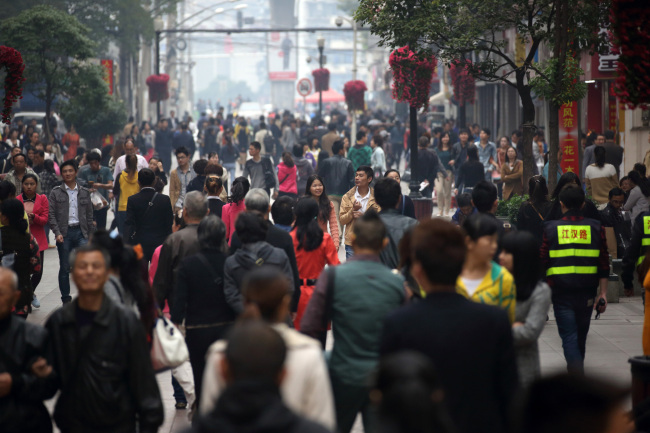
246,258
305,169
253,407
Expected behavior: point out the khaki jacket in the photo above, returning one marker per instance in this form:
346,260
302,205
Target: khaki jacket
347,207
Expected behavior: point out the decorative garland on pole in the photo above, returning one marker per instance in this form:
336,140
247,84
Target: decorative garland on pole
158,90
12,61
354,92
412,76
321,79
462,82
630,37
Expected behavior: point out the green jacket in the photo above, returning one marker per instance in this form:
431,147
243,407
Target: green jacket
359,154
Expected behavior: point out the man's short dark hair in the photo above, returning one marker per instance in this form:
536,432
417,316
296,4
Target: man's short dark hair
71,162
640,168
255,352
199,166
251,227
366,169
464,131
487,131
182,150
465,199
7,190
484,195
609,135
146,177
282,210
440,248
337,146
213,169
41,153
331,127
360,135
387,193
13,158
573,197
90,248
93,156
577,404
369,232
423,141
256,145
297,151
615,191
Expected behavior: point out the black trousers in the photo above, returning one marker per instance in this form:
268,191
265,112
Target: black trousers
198,342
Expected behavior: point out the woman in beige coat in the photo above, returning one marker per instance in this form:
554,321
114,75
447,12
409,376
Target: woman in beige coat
512,171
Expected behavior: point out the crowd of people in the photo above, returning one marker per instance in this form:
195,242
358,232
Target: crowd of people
434,321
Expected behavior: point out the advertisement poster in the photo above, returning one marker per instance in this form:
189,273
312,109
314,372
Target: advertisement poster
282,56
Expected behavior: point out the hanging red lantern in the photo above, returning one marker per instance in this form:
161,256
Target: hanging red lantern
12,61
412,76
354,92
158,90
321,79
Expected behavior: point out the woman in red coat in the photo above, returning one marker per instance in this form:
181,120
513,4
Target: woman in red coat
314,249
36,208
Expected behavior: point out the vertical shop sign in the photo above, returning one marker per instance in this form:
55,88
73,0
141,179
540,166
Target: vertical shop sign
569,137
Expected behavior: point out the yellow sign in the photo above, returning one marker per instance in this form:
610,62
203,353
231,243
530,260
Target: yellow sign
574,235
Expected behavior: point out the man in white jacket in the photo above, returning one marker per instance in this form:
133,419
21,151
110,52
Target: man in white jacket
306,389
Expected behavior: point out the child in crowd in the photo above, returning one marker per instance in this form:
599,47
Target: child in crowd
465,209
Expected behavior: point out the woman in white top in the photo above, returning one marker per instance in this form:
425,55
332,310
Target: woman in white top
600,178
378,158
306,389
637,202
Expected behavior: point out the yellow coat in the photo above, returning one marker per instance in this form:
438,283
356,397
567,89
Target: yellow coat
497,288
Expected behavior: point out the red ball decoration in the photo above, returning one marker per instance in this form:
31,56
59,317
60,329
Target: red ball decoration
158,90
321,79
354,92
630,37
12,61
462,82
412,76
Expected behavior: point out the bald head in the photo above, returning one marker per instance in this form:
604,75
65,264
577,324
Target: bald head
8,291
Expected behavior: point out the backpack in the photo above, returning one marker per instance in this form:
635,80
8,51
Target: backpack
269,142
269,177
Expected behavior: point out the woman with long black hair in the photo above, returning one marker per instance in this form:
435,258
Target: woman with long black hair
555,212
520,256
235,205
19,251
600,177
326,215
314,249
532,213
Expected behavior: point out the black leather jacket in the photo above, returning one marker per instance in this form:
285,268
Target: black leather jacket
337,174
21,344
106,378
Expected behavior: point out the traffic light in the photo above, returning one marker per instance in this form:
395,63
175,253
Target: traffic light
240,19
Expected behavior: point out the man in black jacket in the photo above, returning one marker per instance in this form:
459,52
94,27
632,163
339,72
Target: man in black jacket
22,352
257,200
101,358
149,215
428,166
469,343
387,196
164,138
338,178
253,370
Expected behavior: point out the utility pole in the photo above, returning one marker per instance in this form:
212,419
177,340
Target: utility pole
321,47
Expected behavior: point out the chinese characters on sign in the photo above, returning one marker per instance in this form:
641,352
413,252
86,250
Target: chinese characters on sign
574,234
569,137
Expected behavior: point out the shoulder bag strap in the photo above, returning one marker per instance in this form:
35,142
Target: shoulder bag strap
146,211
209,267
535,209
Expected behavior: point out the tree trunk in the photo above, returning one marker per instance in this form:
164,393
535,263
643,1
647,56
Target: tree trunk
529,128
553,144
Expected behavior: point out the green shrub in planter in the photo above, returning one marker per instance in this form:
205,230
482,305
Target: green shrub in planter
510,208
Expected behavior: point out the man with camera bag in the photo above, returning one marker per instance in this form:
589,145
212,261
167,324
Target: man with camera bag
575,257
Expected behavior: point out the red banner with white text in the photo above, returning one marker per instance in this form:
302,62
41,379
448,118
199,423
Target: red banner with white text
569,141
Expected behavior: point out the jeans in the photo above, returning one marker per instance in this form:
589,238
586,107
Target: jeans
72,240
231,166
348,252
179,394
121,219
100,218
573,316
349,400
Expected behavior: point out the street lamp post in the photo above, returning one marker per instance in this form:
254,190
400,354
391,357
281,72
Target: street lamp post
321,46
339,21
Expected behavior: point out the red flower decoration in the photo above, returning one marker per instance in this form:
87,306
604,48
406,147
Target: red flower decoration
412,76
462,82
321,79
354,92
12,61
630,39
158,87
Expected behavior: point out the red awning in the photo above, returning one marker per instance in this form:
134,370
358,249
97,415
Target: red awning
330,96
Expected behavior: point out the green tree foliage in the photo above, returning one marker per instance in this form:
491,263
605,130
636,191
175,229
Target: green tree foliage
90,108
124,22
54,46
474,29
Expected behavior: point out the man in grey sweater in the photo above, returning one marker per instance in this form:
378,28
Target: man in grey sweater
258,168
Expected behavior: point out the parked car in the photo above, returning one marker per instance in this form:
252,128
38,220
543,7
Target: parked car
28,116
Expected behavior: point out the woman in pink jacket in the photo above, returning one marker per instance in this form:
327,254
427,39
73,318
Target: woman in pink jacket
235,205
287,176
36,208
